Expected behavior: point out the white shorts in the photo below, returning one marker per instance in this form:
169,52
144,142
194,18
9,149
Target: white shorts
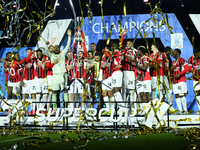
76,86
50,82
117,79
15,86
59,81
41,85
154,83
197,87
129,80
30,87
180,88
144,86
107,82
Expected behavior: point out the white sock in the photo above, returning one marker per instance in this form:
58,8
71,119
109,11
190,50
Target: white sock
112,105
133,98
184,101
44,99
33,106
178,102
54,99
71,105
153,95
106,101
126,99
38,100
118,98
168,98
198,99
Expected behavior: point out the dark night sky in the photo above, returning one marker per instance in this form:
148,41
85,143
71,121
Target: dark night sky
64,11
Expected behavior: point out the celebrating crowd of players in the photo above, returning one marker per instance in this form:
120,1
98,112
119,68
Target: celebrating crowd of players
115,71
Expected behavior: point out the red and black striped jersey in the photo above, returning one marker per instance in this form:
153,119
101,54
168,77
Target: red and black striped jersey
14,71
28,73
180,64
116,60
157,58
195,65
145,75
78,69
28,69
127,64
27,63
106,72
40,67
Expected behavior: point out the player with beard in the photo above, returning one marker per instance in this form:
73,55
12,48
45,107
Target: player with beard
28,76
50,75
194,67
14,71
156,70
28,83
41,63
97,72
59,70
107,80
144,87
93,48
128,69
90,77
90,55
117,73
77,72
179,68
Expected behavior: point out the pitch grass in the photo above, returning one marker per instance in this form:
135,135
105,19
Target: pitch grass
154,141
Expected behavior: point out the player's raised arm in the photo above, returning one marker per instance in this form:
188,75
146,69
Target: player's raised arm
123,35
69,33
